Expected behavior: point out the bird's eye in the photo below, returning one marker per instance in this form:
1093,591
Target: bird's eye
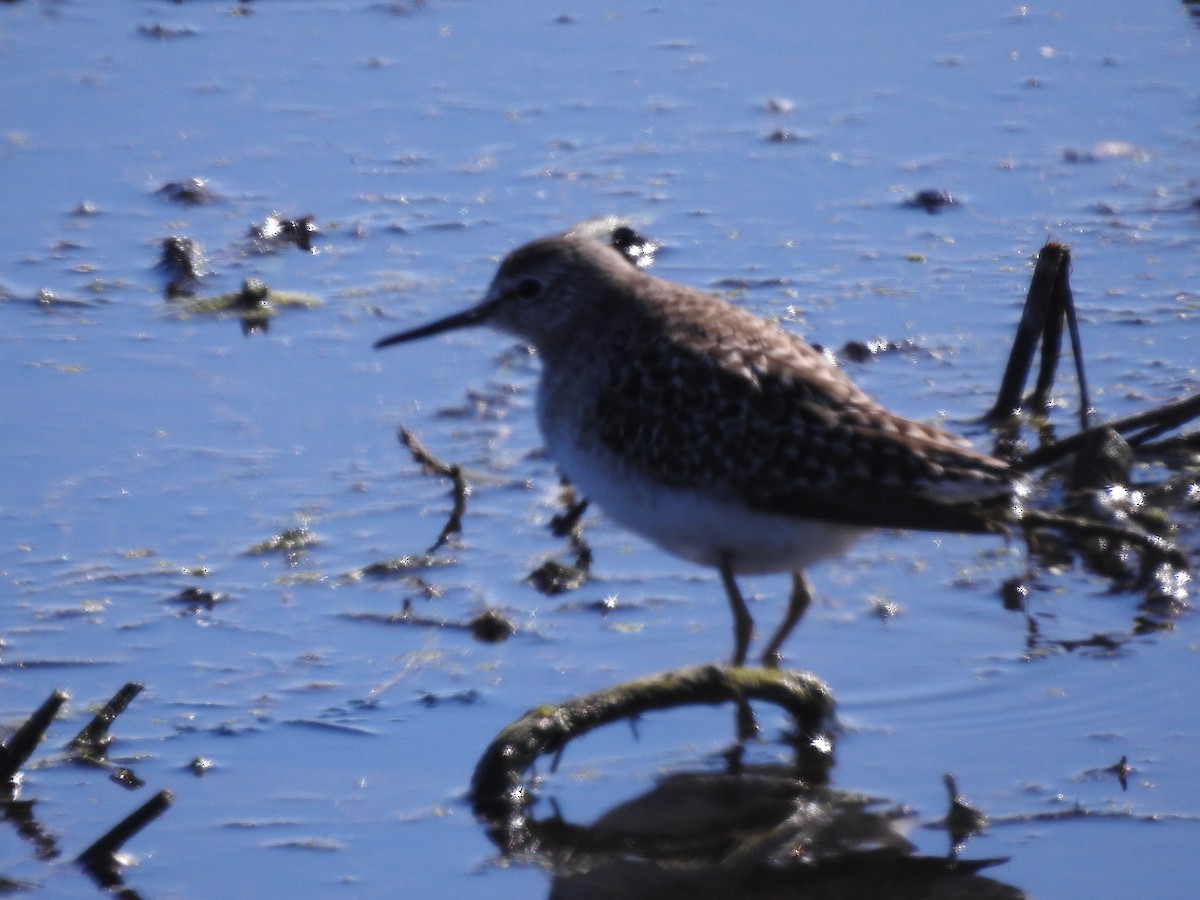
530,288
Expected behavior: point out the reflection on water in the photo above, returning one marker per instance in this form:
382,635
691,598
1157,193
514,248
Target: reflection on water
765,830
761,833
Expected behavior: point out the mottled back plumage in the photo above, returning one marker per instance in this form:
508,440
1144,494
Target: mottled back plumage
708,394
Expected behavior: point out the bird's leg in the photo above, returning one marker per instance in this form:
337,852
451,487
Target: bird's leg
798,602
743,625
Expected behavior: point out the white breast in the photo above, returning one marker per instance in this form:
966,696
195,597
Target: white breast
692,524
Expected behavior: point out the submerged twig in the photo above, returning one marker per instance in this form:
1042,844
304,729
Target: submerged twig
1131,534
1147,425
553,577
566,523
489,626
255,301
93,737
963,821
400,566
497,792
434,466
1048,305
17,749
1096,521
254,305
1086,412
292,541
100,859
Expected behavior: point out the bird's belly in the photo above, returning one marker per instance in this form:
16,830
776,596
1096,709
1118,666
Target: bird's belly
700,526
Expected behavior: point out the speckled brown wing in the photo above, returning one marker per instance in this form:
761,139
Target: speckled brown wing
717,399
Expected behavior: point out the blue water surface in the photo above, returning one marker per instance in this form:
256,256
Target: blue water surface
771,150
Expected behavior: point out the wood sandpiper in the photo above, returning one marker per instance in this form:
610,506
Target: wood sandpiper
719,436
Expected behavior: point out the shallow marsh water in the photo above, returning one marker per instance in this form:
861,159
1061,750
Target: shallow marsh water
147,450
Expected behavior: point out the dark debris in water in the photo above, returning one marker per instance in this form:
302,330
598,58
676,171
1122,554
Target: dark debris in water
190,192
1104,459
162,32
401,566
565,523
862,351
784,136
254,304
92,741
48,298
126,778
1150,624
277,232
1014,593
292,541
182,261
963,821
635,247
490,405
605,606
399,8
200,766
1120,770
319,844
1104,521
465,698
196,599
742,283
490,626
932,201
553,577
615,231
